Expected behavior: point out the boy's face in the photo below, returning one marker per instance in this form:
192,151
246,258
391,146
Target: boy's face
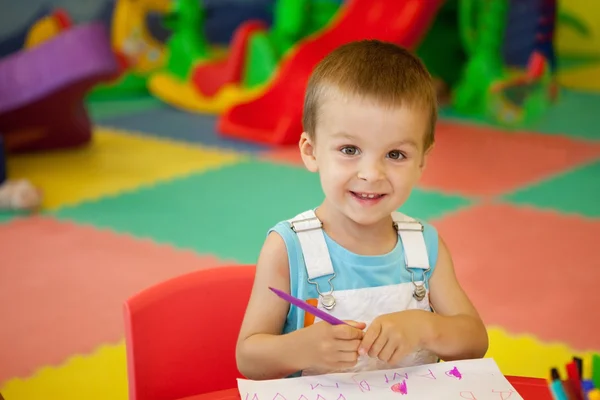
369,157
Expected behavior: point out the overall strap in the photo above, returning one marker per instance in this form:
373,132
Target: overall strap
413,241
312,241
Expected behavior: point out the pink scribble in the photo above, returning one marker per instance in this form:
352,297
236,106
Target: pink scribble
314,386
400,388
395,376
279,396
455,373
319,397
362,385
431,375
471,395
502,393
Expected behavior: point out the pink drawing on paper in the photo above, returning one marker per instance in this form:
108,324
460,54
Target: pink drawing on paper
502,394
395,376
400,388
454,372
429,375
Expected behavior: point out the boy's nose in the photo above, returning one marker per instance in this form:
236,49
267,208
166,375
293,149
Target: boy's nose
370,171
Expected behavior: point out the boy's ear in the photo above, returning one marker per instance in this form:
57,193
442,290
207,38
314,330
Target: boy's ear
307,151
426,156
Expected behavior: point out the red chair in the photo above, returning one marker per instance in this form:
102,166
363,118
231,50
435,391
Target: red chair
181,334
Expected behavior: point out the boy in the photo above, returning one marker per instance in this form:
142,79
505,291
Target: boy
369,118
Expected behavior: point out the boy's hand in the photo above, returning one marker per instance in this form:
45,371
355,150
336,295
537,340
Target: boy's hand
331,347
391,337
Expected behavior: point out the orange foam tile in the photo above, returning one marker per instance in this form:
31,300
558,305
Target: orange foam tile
529,271
62,287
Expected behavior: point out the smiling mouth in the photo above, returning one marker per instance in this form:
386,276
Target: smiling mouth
367,196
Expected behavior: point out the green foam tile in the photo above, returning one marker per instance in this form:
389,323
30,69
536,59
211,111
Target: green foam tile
574,115
5,217
429,205
103,109
576,191
225,212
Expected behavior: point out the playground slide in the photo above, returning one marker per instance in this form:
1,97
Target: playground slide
210,77
275,116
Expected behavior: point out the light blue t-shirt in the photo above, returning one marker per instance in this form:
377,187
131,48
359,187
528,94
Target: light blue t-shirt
352,270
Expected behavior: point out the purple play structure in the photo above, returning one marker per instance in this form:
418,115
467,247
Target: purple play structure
42,89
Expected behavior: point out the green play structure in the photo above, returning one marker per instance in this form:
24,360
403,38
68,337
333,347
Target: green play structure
516,102
187,44
464,48
293,20
441,48
198,80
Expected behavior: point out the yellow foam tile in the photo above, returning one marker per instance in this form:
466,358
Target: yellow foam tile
115,161
524,355
98,376
103,374
584,78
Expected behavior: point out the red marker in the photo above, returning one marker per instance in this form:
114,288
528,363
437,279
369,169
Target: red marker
574,380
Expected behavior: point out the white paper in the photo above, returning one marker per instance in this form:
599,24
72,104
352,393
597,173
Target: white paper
478,379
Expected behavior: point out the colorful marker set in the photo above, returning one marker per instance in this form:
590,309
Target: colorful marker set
577,386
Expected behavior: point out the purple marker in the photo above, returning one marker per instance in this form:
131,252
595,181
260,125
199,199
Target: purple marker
308,308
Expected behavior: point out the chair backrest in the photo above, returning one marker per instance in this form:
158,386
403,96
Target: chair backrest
181,334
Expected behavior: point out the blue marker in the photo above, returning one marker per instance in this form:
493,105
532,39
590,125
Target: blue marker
556,386
587,386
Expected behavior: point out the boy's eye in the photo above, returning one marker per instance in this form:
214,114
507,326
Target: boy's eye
395,155
349,150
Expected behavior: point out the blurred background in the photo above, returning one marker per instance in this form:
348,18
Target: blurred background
143,139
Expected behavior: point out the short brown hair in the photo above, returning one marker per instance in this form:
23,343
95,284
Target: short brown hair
382,71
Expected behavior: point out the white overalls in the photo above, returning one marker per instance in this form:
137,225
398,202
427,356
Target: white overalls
365,304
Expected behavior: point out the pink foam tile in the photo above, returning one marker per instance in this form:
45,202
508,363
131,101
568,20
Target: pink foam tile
62,287
472,160
481,161
528,270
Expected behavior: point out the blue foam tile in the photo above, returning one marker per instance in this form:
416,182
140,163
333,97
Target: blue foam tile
168,122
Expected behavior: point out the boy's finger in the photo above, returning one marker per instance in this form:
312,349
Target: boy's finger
358,325
386,352
369,338
348,332
378,346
